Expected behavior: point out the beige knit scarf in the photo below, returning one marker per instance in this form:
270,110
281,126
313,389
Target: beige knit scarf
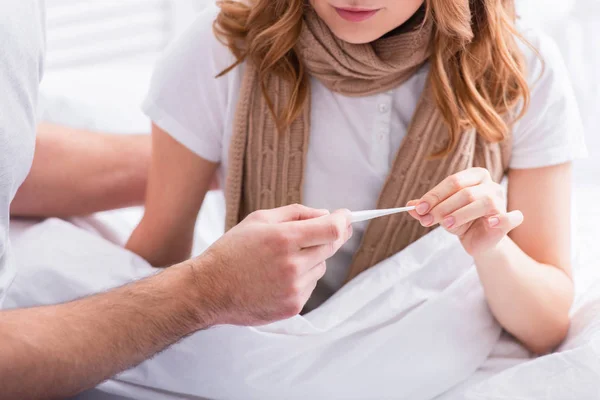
266,169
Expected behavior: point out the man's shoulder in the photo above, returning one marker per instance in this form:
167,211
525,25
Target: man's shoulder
22,36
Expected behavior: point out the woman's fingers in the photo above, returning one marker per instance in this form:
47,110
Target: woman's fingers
451,185
506,222
465,206
444,212
461,230
469,205
413,213
482,206
464,215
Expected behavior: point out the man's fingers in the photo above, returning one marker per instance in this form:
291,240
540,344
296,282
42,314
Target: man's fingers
322,231
308,291
449,186
310,213
310,280
506,222
317,254
294,212
314,274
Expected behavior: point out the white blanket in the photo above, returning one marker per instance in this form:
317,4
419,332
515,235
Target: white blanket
414,327
572,372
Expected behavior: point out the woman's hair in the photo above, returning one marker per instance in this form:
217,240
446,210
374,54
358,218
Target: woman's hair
477,71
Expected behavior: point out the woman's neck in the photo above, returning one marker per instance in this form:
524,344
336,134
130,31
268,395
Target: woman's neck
413,22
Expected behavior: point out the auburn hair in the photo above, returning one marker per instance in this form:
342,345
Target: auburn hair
477,71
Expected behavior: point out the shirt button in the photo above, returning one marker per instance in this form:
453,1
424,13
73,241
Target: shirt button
383,108
380,136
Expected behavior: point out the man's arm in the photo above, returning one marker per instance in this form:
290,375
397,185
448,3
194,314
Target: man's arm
77,172
58,351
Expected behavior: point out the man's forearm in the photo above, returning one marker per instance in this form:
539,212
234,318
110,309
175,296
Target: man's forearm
58,351
77,172
258,272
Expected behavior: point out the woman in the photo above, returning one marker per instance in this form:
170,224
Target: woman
377,103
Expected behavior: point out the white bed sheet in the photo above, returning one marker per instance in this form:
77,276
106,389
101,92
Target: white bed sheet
387,332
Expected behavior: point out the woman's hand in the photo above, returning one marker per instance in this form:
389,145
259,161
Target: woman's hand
470,205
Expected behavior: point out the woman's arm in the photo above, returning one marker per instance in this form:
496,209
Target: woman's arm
177,183
77,172
523,263
527,276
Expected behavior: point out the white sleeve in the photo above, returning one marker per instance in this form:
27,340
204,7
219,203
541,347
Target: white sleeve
186,99
551,131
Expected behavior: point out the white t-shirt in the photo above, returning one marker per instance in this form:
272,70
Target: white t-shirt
21,64
353,141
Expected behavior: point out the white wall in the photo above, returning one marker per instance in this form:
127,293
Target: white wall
100,58
575,27
83,32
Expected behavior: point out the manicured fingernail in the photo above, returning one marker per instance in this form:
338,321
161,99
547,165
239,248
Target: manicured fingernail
323,212
449,222
494,221
427,220
422,208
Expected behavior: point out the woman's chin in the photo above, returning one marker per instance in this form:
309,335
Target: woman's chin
355,36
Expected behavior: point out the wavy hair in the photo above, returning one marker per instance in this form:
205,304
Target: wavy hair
477,72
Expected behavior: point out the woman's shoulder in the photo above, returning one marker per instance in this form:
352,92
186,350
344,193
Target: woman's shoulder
551,131
186,98
542,55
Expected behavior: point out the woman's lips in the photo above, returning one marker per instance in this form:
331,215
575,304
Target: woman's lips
355,14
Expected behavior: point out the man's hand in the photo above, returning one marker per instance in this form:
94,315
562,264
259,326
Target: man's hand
266,268
261,271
